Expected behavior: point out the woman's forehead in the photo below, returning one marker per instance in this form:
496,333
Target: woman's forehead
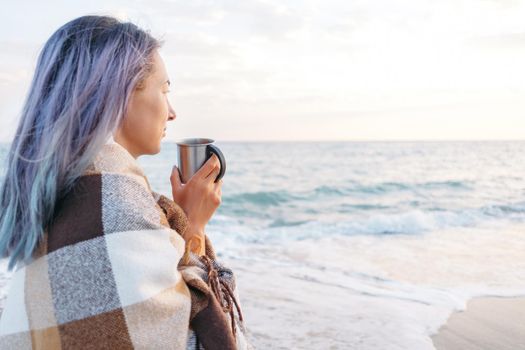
159,69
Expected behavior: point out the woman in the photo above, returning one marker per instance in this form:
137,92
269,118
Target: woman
102,261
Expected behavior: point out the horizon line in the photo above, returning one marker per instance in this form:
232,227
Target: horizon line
367,140
347,140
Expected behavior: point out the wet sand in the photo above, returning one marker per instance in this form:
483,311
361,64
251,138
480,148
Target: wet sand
487,323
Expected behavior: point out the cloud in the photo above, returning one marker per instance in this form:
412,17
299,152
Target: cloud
195,13
13,76
502,41
19,48
272,20
237,18
198,45
262,61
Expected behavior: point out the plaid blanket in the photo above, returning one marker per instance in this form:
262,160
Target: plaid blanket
110,273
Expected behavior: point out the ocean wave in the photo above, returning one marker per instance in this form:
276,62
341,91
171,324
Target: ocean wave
505,209
388,187
280,222
346,207
329,190
412,222
392,215
279,197
261,198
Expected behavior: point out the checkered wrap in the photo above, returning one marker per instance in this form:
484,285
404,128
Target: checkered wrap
107,273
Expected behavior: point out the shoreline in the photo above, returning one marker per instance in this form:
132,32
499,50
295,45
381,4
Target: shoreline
486,323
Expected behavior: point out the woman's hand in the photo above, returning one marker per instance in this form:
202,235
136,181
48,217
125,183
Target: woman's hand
200,196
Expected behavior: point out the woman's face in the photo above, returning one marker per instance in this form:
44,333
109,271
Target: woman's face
148,111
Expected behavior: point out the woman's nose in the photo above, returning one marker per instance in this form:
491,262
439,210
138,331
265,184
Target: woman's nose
171,113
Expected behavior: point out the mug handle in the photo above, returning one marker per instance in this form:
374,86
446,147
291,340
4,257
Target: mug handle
212,149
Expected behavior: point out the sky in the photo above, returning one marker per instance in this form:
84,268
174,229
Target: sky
268,70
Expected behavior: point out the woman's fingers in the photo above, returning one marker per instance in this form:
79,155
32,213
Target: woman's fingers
208,168
218,189
175,178
214,173
217,185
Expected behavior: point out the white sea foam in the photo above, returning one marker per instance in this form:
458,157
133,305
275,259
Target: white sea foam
411,222
372,292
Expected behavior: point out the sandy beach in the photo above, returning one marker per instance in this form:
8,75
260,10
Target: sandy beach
487,323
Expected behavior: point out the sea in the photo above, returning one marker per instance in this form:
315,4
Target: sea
362,245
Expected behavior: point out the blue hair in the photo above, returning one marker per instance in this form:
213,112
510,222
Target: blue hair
83,81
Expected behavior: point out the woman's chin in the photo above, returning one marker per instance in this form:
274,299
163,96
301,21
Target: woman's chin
159,146
154,149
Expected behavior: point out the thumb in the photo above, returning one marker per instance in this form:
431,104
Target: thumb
175,177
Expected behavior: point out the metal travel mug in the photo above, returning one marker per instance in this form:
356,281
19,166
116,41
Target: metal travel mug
193,153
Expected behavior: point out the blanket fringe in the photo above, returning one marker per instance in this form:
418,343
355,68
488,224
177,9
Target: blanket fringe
222,292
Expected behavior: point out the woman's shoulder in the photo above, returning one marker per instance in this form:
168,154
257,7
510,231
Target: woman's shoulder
112,196
114,160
